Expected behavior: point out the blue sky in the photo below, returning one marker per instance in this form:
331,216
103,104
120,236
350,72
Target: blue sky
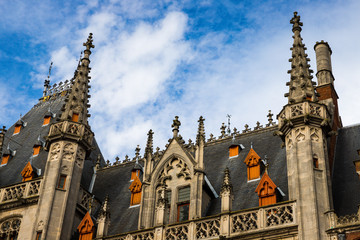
157,59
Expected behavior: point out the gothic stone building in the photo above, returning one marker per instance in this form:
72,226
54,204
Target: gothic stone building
294,179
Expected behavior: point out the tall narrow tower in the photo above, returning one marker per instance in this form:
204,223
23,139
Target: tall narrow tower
326,90
303,125
69,141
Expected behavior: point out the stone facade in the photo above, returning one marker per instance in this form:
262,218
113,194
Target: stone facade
306,184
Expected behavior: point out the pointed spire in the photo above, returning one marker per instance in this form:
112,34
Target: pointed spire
149,144
104,210
301,86
76,106
97,165
176,124
200,137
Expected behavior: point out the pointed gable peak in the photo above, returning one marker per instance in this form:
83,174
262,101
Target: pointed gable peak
86,225
267,183
301,86
252,157
28,172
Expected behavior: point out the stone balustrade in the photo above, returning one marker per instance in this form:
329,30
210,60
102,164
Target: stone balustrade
24,190
233,224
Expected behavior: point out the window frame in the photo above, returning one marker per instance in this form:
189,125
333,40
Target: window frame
58,185
47,120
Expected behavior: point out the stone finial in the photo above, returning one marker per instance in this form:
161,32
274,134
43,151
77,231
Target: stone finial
270,119
258,126
176,124
97,165
266,163
301,86
235,131
104,210
212,138
247,129
223,130
117,160
200,137
149,144
137,152
108,164
126,158
295,21
226,186
88,44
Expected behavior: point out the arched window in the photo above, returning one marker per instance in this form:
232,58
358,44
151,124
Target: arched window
9,229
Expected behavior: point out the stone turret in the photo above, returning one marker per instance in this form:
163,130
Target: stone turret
304,125
69,141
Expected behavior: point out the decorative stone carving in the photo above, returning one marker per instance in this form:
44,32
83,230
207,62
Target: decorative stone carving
300,134
244,222
288,140
175,167
314,134
54,152
315,110
297,110
80,156
208,229
10,228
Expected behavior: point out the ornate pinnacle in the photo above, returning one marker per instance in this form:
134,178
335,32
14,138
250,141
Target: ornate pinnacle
201,131
270,119
137,152
226,186
301,86
176,124
149,144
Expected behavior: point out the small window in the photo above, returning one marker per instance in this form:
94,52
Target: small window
38,235
36,150
61,182
5,159
316,161
75,117
135,189
17,129
46,120
252,161
183,204
233,151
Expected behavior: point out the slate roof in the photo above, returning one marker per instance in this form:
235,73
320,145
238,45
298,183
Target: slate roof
345,182
115,180
24,142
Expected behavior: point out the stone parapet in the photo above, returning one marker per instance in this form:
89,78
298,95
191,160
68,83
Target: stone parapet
71,131
312,113
25,192
279,217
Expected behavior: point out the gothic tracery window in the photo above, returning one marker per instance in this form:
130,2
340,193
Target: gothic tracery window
9,229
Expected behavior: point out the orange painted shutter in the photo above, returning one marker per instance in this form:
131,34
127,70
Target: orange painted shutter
5,159
75,117
46,120
17,129
36,150
253,172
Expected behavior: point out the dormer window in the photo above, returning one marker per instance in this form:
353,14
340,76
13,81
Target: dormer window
252,161
75,117
17,129
233,151
266,191
36,150
46,120
135,189
28,173
5,159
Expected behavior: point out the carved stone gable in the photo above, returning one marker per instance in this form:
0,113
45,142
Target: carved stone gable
175,168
